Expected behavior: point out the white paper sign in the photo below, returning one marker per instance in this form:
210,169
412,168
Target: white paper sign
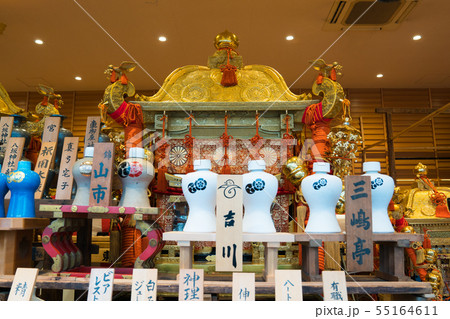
288,285
23,284
101,284
243,286
190,285
334,286
144,286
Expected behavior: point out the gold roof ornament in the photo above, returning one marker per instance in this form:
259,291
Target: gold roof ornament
226,39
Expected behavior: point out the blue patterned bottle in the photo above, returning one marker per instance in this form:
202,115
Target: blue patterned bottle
3,190
260,189
382,187
199,189
22,183
322,192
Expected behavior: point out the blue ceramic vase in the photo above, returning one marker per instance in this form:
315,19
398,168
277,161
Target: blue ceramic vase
22,183
3,190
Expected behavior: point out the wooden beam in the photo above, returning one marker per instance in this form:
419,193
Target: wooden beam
225,287
390,146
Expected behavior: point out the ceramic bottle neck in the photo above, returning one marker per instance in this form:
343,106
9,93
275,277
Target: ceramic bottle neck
372,172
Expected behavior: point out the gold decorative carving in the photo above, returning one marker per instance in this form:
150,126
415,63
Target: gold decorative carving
194,83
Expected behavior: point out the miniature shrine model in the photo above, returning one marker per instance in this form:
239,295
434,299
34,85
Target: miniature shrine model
224,176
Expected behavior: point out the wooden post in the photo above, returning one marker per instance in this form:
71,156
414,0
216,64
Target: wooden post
102,173
92,130
13,155
6,125
243,286
229,223
390,146
358,223
51,129
190,285
68,158
44,162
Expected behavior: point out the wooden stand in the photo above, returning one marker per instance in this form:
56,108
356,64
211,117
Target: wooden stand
392,256
16,238
271,243
310,252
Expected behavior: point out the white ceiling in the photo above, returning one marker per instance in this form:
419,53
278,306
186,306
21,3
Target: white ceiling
76,45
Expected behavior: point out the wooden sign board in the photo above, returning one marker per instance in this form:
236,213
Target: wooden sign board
51,129
358,223
68,158
13,155
102,174
43,164
243,286
101,284
334,286
23,284
6,125
229,223
288,285
92,130
144,285
190,285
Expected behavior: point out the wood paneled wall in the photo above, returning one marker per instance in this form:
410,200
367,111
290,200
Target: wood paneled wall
428,143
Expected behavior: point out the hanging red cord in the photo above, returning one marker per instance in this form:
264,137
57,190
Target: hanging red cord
189,142
255,139
226,142
228,70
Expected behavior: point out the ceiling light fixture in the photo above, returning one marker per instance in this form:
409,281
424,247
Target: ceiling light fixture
162,39
417,37
290,37
78,78
379,75
38,41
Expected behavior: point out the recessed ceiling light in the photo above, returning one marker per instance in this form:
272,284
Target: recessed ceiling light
38,41
78,78
162,39
379,75
290,37
417,37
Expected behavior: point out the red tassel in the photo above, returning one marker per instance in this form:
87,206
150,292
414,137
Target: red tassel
229,76
319,79
426,241
161,182
442,211
45,101
333,74
113,77
124,79
226,169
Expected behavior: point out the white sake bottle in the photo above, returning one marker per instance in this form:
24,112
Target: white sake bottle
322,192
82,170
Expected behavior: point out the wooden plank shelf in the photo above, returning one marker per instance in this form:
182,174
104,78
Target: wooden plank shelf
225,287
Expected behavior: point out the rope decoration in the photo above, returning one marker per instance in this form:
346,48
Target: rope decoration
226,143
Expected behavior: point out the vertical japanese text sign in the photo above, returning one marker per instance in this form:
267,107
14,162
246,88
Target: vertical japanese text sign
190,285
229,223
288,285
6,125
51,129
68,158
101,284
23,284
92,131
144,285
358,223
334,286
243,286
102,173
13,154
44,162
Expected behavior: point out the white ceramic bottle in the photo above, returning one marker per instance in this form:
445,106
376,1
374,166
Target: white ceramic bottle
382,187
199,189
135,173
260,189
82,170
322,192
